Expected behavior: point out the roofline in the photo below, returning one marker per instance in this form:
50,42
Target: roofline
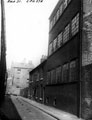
55,9
38,66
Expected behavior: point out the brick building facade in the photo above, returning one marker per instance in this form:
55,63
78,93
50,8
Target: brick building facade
67,71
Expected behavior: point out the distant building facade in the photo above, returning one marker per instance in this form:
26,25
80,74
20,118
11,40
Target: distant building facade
20,76
9,82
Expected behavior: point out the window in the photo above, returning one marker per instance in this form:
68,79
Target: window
58,74
59,40
90,1
47,100
57,15
41,92
50,49
32,78
54,102
54,20
51,24
65,4
53,76
68,1
75,24
18,72
48,77
66,33
36,76
54,45
65,70
41,74
18,69
73,71
61,9
59,12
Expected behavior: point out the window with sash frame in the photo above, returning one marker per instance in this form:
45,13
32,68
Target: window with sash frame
73,71
65,72
60,40
58,74
57,14
50,50
65,3
53,76
66,33
54,44
75,25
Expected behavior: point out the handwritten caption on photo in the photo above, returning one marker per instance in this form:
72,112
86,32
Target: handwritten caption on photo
27,1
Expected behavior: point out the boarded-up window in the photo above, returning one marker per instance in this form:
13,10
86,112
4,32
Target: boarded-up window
65,72
73,71
58,74
53,76
48,77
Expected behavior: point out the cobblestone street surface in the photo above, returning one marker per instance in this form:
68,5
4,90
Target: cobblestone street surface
19,108
29,112
40,111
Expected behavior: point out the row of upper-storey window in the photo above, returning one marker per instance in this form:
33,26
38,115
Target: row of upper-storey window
66,73
59,12
70,30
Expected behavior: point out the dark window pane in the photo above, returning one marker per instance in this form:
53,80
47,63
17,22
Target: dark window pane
65,71
73,71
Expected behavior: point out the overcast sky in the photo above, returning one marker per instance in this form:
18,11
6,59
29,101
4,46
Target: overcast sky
27,28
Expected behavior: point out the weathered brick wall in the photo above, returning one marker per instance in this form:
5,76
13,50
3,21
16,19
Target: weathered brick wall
87,6
63,97
87,40
86,92
86,81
